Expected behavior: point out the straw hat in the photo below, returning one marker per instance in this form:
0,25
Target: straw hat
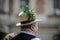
26,17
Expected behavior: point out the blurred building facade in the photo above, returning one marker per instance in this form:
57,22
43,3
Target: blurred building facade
47,10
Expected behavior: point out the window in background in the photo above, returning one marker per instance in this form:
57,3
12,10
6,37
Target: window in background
56,7
24,3
2,6
39,6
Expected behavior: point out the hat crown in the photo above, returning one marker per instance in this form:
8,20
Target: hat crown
26,15
22,17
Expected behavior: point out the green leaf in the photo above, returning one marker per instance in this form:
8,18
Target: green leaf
29,14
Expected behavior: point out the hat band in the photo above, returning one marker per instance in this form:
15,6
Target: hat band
24,22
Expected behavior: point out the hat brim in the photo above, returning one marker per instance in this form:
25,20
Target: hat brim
36,20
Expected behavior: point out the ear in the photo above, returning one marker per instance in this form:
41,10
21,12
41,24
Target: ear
32,27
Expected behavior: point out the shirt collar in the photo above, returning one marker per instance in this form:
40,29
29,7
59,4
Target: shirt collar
27,32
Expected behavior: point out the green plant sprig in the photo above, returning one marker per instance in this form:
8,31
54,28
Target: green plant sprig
29,14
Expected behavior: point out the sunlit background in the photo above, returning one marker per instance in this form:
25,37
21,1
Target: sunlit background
47,10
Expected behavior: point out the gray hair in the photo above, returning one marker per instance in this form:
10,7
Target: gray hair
26,27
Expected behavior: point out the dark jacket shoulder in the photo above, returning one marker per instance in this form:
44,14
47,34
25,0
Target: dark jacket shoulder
23,36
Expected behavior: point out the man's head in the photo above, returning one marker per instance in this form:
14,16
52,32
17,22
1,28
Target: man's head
30,28
27,21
